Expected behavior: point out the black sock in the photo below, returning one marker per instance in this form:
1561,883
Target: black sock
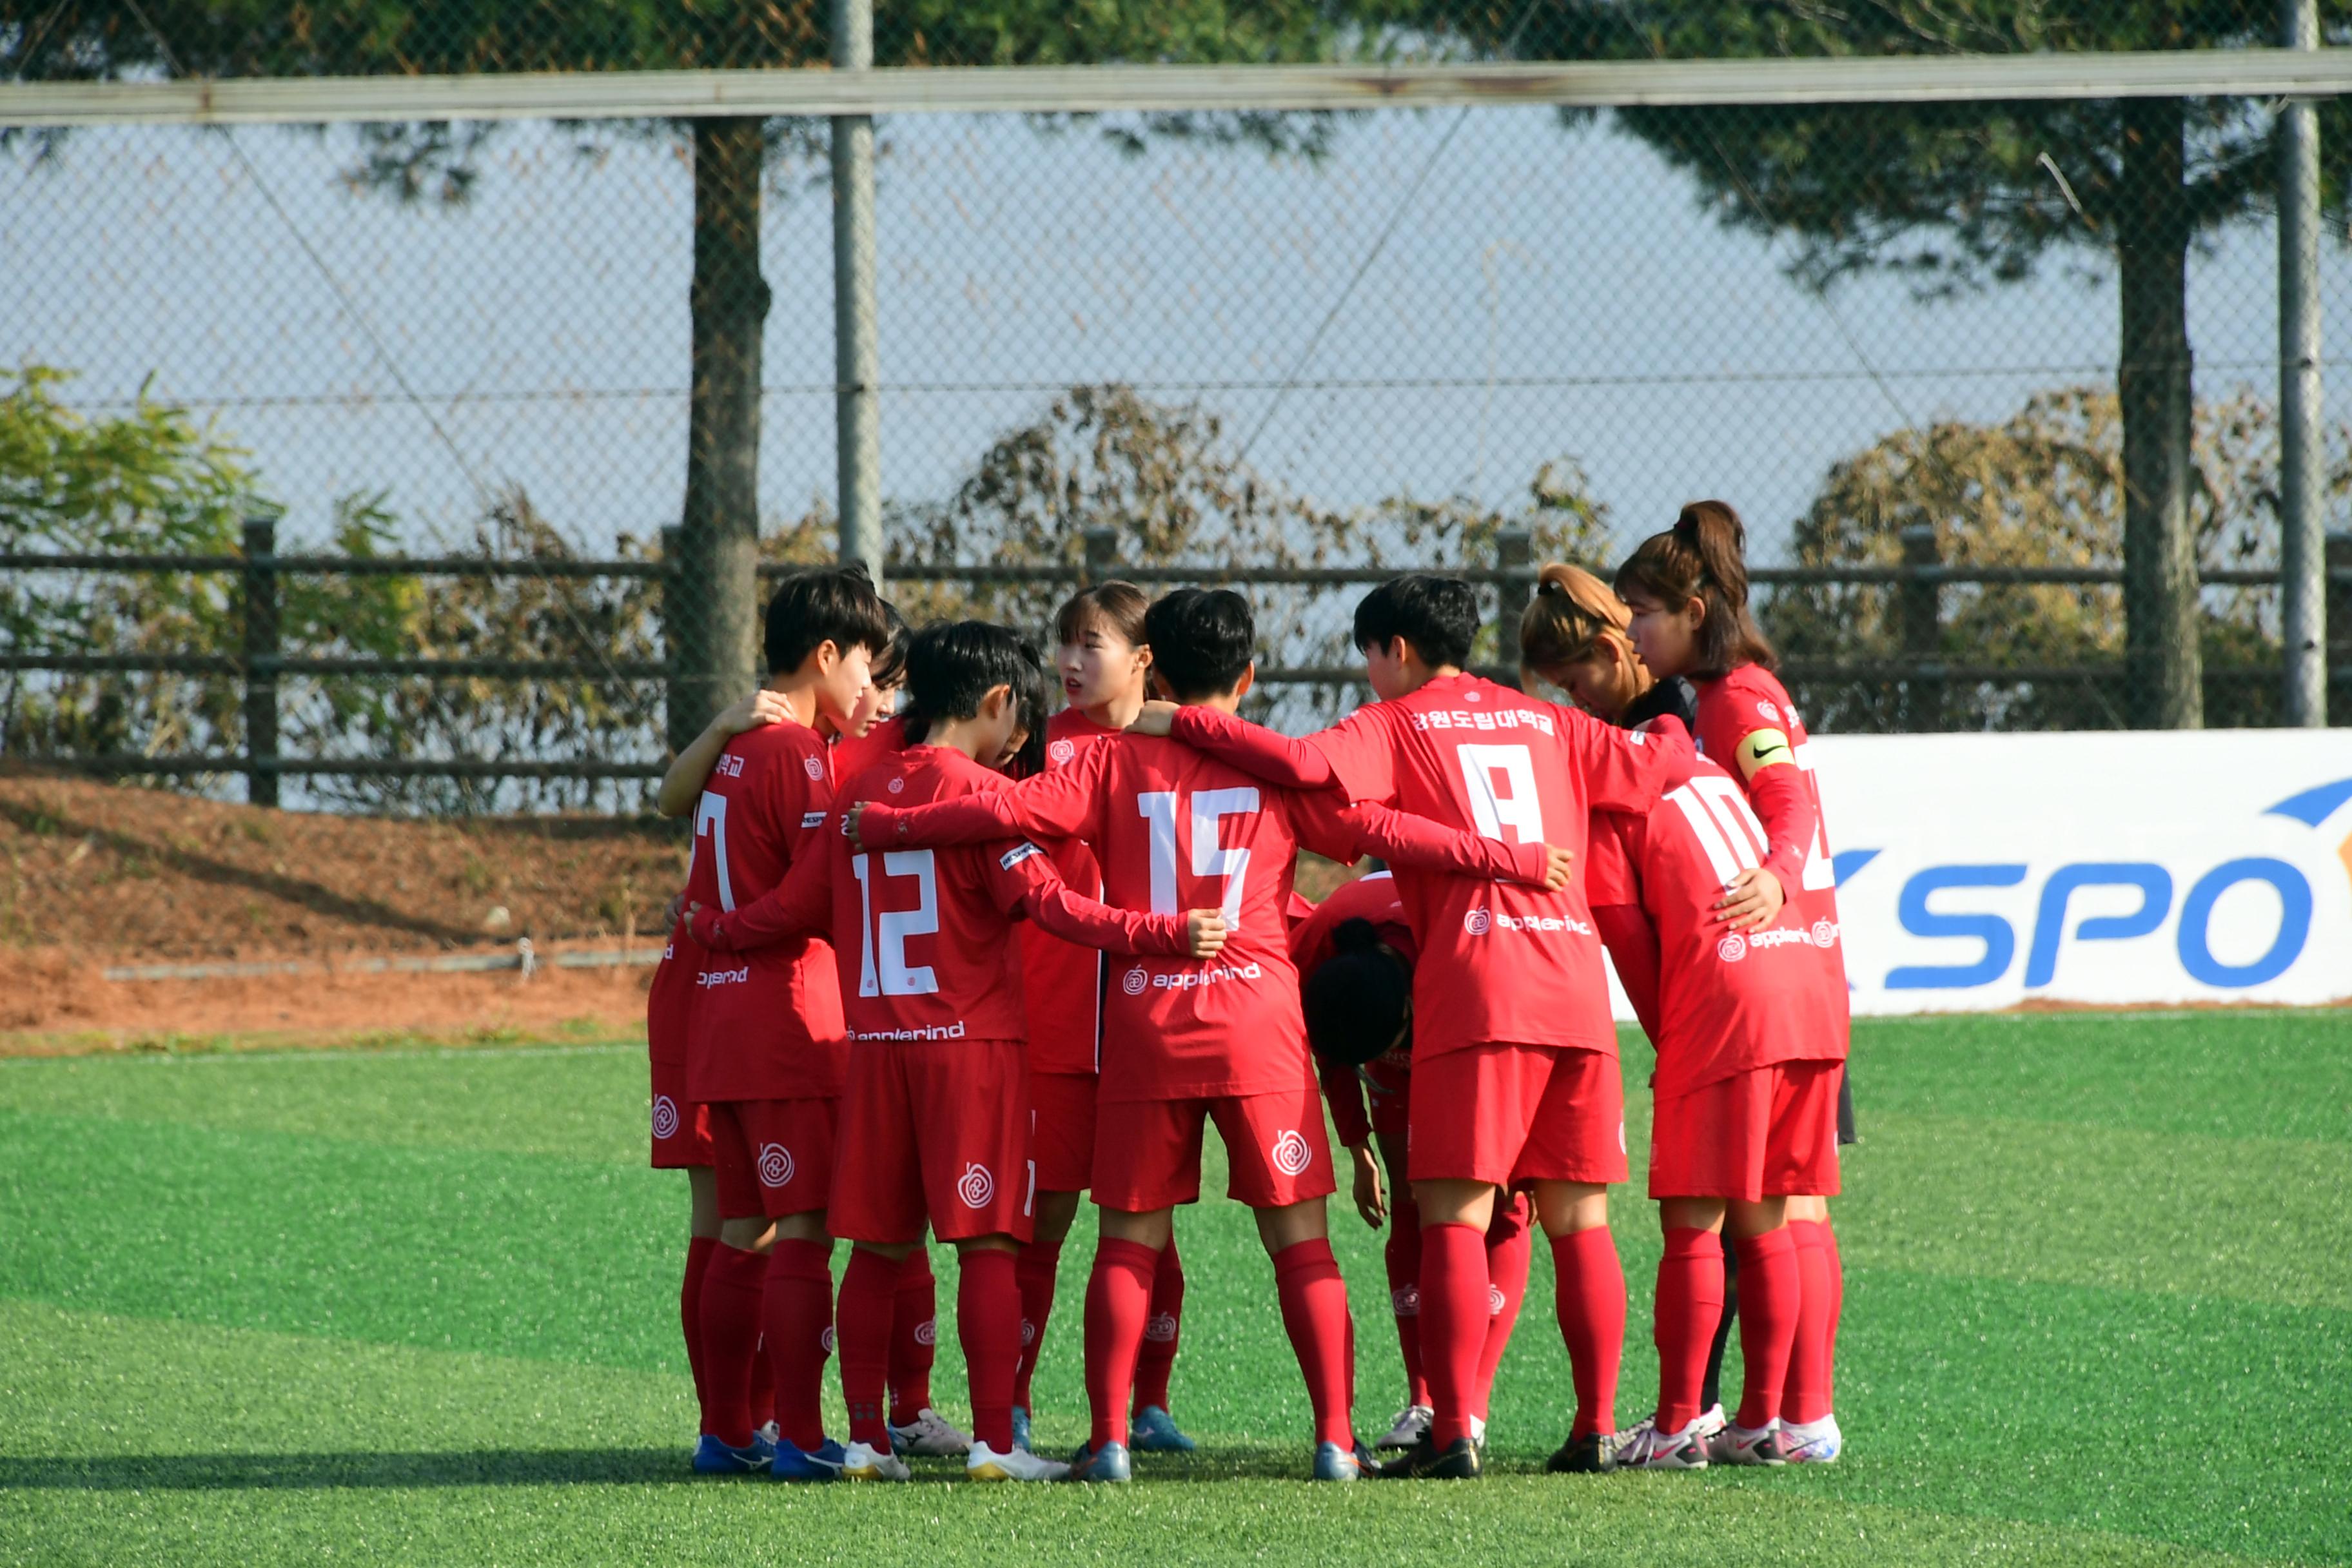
1710,1393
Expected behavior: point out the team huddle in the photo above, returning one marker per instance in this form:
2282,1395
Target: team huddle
944,965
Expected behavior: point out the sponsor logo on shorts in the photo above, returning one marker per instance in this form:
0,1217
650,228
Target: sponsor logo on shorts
825,1339
1028,1333
710,977
1825,934
1136,980
815,767
775,1165
1732,948
1061,751
927,1332
1494,1302
898,786
975,1187
1479,922
1018,853
812,820
916,1032
1291,1153
1405,1301
1162,1327
665,1116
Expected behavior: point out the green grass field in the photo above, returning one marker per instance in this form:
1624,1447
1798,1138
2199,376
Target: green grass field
421,1306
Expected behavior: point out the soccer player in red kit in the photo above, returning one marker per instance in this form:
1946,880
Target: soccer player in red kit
1187,1042
935,1126
767,1048
1354,953
1687,591
1516,1075
1103,660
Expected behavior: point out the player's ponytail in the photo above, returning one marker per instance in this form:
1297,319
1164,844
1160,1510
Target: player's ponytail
1702,557
1571,615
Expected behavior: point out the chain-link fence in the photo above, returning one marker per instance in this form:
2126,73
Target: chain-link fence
1980,375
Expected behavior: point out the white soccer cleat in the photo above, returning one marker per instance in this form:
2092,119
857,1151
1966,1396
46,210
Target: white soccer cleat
1737,1444
862,1462
1647,1449
1411,1425
1712,1420
1812,1442
987,1464
929,1436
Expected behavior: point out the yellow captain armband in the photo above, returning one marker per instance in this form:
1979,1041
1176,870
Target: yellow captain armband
1760,749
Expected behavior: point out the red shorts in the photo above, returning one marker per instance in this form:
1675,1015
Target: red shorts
1768,1132
1148,1151
934,1132
1515,1114
1062,1129
681,1127
774,1156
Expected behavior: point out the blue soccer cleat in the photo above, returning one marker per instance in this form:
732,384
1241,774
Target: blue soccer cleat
1333,1463
1107,1463
1153,1431
713,1458
1020,1428
822,1464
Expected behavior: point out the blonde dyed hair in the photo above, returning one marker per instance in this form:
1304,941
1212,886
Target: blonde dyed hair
1573,614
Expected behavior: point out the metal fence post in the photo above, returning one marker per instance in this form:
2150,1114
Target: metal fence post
857,438
260,585
1101,563
2338,554
1920,610
2302,588
1515,561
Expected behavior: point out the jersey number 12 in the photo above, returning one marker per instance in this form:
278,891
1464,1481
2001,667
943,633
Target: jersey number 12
882,967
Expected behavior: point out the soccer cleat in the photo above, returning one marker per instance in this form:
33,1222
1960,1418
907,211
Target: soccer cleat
1712,1420
1812,1442
1107,1463
1593,1454
1014,1465
822,1463
928,1435
1737,1444
1411,1425
1457,1461
1647,1449
1020,1426
859,1462
1153,1431
713,1458
1333,1463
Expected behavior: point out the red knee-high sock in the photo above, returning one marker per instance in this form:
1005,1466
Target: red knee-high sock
1453,1322
1507,1255
763,1383
734,1285
1591,1305
1119,1303
1770,1296
1161,1331
869,1289
1402,1255
1805,1396
800,1336
988,1325
1690,1304
1836,1266
689,1308
1038,1269
914,1337
1314,1312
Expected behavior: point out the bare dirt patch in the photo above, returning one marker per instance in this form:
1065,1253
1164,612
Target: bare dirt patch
94,875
